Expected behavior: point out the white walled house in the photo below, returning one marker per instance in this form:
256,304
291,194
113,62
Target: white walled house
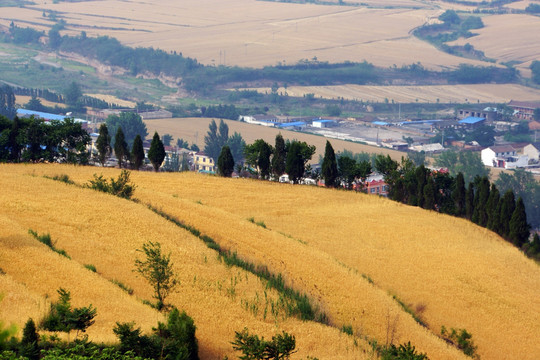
503,156
532,151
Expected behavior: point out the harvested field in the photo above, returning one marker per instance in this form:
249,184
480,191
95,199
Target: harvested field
21,100
254,33
447,270
114,100
484,93
193,130
503,38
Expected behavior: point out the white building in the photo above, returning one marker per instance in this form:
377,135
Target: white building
532,151
503,156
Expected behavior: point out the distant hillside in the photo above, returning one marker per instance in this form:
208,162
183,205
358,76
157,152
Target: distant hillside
352,254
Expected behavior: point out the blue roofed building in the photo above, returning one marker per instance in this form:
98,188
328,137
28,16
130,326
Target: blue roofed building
472,122
295,125
23,113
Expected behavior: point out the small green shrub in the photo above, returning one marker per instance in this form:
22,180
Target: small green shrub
403,352
119,187
253,347
122,286
46,239
347,329
90,267
260,223
63,178
462,340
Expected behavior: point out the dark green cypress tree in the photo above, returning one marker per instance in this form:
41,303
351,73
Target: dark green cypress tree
422,175
508,204
120,146
29,347
103,144
294,165
459,195
480,202
519,228
137,153
492,208
469,201
225,162
156,153
429,194
280,156
329,169
263,162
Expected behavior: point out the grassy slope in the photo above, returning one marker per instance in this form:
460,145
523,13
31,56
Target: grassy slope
462,275
105,231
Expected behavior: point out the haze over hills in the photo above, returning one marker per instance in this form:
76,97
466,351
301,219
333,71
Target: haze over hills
350,253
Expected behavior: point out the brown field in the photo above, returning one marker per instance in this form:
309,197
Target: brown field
114,100
499,93
255,33
504,38
193,130
461,275
21,100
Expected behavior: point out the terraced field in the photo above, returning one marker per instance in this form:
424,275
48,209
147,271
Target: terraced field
350,253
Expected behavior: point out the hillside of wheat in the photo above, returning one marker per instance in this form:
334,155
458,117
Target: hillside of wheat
352,254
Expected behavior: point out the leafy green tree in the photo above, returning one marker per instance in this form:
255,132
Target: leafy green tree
254,348
403,352
329,166
484,135
298,154
348,170
535,68
519,228
156,153
177,337
131,124
73,93
7,102
466,162
103,144
258,155
121,147
417,157
182,144
429,194
63,318
237,144
215,139
137,153
225,162
536,114
279,157
450,17
167,138
120,187
157,269
459,195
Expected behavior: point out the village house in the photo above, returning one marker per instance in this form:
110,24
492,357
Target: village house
533,152
503,156
203,163
524,110
490,114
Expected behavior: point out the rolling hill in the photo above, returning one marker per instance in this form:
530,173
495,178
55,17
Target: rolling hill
352,254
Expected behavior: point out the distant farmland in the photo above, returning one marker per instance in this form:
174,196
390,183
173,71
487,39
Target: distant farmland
254,33
484,93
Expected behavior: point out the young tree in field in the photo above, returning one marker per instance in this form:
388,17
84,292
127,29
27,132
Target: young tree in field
120,147
329,166
459,195
157,269
519,228
137,153
156,153
280,156
103,144
225,162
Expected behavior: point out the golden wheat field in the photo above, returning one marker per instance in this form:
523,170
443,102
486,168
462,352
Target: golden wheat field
193,130
254,33
326,243
485,93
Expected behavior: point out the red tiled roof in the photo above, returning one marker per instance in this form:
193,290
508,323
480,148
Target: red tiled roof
525,104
